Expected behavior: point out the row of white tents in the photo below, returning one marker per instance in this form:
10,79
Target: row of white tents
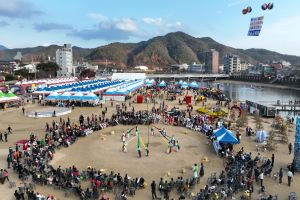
49,81
78,96
181,84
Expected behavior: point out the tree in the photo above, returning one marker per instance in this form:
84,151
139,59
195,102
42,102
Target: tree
9,77
22,72
87,73
49,68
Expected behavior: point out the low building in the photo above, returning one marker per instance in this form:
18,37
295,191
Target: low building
244,65
30,67
255,71
83,66
269,71
7,66
179,67
196,68
141,68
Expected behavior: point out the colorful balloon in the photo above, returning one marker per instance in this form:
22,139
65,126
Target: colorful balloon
270,6
264,6
249,9
245,11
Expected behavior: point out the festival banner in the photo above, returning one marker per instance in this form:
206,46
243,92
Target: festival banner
255,26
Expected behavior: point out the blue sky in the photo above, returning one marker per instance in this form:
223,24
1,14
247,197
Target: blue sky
91,23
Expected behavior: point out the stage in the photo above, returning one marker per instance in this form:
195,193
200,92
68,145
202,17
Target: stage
42,112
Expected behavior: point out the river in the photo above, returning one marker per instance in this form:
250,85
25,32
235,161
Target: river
263,95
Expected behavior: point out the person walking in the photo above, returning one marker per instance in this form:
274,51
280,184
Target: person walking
5,175
290,177
201,170
5,136
9,160
290,146
272,160
280,175
261,178
195,170
9,129
1,137
238,136
153,190
23,110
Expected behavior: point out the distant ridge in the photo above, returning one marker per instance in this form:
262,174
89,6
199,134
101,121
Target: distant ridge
2,47
161,51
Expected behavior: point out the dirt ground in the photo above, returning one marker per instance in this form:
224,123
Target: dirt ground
106,154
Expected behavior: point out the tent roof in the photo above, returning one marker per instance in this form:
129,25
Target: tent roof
225,136
220,131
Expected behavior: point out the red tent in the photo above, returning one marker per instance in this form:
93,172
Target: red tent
139,99
188,99
22,142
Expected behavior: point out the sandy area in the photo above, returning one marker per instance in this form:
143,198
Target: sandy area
106,154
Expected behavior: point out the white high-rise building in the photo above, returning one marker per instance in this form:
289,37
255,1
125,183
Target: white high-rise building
232,64
64,59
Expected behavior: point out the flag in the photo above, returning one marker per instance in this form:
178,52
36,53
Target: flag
138,143
255,26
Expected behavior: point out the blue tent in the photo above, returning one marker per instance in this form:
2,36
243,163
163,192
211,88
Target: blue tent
52,96
90,97
76,97
220,131
184,85
194,85
261,136
225,136
162,84
65,96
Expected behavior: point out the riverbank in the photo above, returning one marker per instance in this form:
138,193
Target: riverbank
259,84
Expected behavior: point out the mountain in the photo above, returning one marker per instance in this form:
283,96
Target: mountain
42,52
179,47
2,47
161,51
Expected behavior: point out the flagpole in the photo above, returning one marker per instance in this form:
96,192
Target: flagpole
148,120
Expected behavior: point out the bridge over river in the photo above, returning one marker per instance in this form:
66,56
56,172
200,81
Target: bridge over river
187,76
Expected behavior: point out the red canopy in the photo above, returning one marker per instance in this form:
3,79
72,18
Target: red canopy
22,142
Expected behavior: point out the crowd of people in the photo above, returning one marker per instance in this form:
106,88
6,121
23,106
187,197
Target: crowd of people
31,161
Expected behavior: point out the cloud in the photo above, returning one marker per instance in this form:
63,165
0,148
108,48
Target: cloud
160,26
125,28
3,23
236,3
98,17
109,30
17,9
125,24
40,27
171,27
153,21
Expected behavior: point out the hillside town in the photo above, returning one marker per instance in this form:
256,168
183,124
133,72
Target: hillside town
276,71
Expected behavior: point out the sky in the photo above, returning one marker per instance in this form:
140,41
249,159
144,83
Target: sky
92,23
